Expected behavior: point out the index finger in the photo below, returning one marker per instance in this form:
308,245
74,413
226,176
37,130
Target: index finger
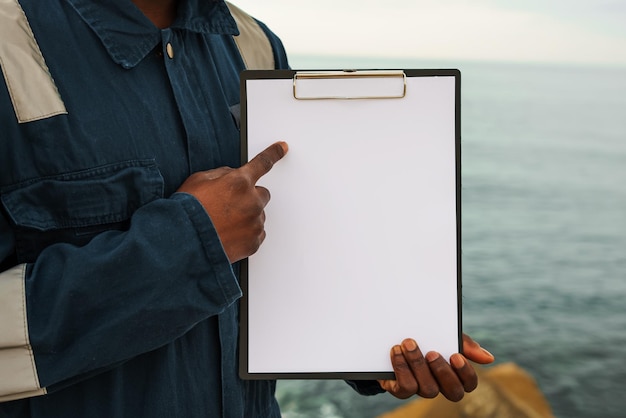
265,160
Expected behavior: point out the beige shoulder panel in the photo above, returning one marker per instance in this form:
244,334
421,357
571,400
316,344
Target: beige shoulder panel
31,87
254,47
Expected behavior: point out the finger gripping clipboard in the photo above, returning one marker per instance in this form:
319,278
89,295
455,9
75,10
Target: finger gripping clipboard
364,225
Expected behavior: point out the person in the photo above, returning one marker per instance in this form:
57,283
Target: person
122,221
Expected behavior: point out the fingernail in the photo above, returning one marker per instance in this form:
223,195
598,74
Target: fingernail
487,352
432,356
397,350
409,345
457,361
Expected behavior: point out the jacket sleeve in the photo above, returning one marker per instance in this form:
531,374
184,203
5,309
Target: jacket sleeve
78,310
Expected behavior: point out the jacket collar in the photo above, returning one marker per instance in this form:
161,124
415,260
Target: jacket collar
128,35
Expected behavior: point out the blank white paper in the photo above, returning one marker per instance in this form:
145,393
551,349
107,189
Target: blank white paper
361,247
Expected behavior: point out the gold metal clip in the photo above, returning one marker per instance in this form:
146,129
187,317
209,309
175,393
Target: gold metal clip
372,89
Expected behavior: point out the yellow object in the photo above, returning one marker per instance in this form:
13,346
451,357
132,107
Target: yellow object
504,391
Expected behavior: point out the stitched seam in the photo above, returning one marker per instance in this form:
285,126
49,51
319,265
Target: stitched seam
87,173
243,56
44,116
11,94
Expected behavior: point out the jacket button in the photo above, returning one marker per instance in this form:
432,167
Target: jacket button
170,50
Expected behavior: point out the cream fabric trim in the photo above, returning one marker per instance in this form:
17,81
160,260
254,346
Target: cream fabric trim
254,47
31,87
23,395
17,362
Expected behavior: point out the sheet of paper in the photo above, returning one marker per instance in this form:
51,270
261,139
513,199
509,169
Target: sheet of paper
361,247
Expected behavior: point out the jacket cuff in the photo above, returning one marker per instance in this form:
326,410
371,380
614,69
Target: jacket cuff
212,245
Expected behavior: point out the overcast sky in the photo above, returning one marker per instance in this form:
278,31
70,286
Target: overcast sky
564,31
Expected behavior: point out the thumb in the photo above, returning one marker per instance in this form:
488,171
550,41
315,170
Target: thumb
474,352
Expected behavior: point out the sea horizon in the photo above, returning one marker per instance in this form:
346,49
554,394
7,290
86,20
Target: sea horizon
297,60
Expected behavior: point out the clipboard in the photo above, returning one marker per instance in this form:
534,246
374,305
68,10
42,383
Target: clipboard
363,245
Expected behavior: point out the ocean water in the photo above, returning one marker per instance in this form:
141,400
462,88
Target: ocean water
544,233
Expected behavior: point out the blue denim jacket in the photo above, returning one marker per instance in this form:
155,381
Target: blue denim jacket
131,301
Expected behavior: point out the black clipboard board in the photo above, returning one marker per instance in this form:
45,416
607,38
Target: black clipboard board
363,244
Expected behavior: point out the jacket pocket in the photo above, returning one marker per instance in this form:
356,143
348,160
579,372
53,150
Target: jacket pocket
74,207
